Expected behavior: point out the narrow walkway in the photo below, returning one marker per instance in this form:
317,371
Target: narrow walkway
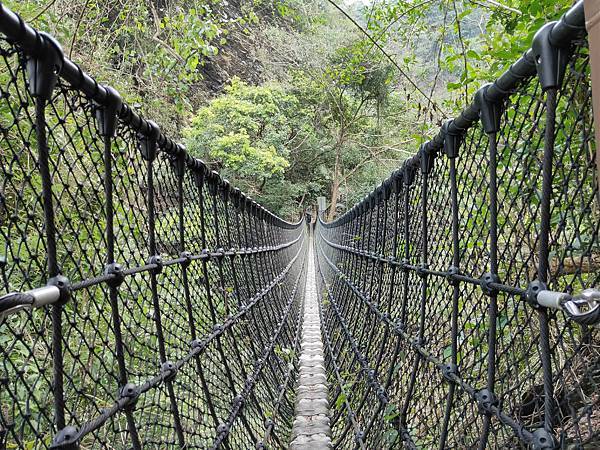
311,425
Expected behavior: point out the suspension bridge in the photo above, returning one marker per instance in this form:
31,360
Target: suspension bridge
145,302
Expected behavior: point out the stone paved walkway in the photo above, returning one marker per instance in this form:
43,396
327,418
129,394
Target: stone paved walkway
311,425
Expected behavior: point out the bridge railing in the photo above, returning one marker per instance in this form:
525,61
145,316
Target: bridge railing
144,301
459,298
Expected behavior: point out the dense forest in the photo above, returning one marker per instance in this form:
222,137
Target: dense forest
294,99
129,270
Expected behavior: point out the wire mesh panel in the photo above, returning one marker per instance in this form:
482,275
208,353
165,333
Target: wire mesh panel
460,299
144,301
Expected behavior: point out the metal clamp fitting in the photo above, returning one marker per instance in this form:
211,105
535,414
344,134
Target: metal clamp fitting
397,181
359,436
382,395
130,393
399,328
157,261
116,271
409,174
485,282
583,308
14,302
35,298
533,291
198,173
550,60
168,371
198,345
187,256
66,439
148,143
485,399
44,67
64,288
404,265
448,370
238,401
387,189
178,161
235,197
427,157
543,439
452,140
213,185
225,188
108,113
490,113
451,273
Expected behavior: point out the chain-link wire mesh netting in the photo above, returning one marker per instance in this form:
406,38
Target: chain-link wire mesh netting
450,302
144,302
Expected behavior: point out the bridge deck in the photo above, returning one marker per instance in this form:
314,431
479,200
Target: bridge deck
311,426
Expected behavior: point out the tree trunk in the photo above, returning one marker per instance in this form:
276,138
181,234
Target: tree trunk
335,186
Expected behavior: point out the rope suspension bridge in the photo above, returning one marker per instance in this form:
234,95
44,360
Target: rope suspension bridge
456,306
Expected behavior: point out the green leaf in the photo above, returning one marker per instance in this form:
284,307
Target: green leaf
340,400
448,352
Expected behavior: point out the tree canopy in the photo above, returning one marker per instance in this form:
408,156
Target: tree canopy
295,99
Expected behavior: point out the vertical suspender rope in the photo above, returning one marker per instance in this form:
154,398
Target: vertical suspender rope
490,116
53,269
544,251
451,148
155,259
551,62
43,71
488,397
107,124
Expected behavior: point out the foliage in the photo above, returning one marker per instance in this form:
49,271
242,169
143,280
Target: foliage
156,53
244,131
288,98
253,135
287,144
460,42
316,109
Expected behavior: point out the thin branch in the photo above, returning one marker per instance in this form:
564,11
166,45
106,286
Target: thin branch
169,49
79,19
384,148
489,8
390,59
41,13
404,13
360,164
293,149
506,7
439,58
155,19
370,16
464,52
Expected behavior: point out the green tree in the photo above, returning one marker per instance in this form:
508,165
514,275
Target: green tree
244,133
356,84
257,136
